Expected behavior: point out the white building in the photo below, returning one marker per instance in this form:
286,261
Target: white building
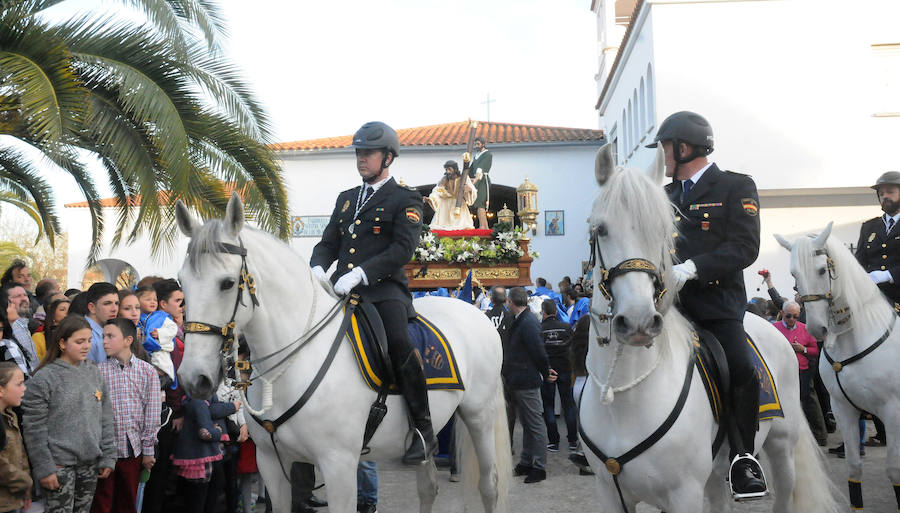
804,95
558,160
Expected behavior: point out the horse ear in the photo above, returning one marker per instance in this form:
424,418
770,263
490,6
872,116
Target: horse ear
657,170
234,214
186,222
604,165
784,242
819,241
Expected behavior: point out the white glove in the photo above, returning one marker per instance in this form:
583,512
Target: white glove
349,281
881,277
683,272
319,273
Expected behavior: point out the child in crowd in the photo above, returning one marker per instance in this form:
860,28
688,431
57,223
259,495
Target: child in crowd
55,312
136,398
68,421
159,330
198,450
15,475
129,306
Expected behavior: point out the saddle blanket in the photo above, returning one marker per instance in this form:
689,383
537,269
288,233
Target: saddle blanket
769,404
441,371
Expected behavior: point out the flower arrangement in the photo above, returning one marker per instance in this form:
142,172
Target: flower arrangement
503,247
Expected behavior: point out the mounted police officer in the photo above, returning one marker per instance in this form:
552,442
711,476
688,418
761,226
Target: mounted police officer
878,249
372,234
718,237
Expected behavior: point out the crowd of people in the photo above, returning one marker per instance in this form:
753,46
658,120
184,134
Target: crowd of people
93,414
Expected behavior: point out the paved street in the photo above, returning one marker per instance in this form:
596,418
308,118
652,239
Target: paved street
566,492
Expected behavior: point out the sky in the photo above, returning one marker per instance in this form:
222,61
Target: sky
323,68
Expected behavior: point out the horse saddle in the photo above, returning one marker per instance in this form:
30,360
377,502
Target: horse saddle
369,342
713,367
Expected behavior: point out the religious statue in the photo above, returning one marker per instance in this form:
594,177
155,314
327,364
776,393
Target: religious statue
450,203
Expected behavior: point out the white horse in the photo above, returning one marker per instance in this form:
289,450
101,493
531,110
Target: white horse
644,359
296,322
846,309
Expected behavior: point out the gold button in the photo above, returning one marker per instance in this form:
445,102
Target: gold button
884,257
884,245
357,221
353,236
378,219
671,251
717,282
352,250
678,218
706,214
882,268
349,266
675,234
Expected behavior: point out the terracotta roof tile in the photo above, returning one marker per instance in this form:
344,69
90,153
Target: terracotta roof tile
135,201
455,134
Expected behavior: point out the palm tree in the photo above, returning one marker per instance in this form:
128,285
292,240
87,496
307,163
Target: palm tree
156,104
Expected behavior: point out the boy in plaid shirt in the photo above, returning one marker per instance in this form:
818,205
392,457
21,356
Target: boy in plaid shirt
135,394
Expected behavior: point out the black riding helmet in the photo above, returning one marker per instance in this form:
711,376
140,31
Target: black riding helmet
376,135
689,128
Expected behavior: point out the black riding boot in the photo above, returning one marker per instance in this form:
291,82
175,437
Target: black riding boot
412,384
747,480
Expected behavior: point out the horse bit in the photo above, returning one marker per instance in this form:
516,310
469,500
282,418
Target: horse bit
604,281
227,332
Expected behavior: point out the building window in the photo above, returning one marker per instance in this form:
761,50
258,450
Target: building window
645,124
614,140
651,104
638,120
624,126
629,129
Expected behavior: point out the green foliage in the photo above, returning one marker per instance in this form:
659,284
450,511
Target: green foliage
167,116
502,247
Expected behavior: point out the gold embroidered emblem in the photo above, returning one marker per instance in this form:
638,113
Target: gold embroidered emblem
98,395
346,206
871,236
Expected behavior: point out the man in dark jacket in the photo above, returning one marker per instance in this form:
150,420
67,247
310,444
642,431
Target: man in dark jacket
878,248
557,336
525,367
372,234
717,237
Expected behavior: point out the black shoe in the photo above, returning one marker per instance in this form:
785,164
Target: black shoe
579,460
412,380
875,441
573,446
830,424
746,478
316,502
585,472
522,470
366,508
553,447
302,508
536,475
839,450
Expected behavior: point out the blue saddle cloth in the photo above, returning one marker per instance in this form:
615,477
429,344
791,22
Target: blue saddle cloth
709,367
441,371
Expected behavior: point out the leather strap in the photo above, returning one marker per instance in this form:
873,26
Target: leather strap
839,366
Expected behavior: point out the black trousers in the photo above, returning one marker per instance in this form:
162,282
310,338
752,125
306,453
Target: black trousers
303,480
394,317
731,336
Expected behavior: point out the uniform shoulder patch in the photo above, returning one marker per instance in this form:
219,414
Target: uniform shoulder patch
751,207
414,215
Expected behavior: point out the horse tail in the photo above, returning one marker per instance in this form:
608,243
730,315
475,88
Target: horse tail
502,457
813,489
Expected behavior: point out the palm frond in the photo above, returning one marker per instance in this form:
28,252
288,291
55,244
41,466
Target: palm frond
30,188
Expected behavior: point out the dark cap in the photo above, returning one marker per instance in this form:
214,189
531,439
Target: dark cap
687,127
888,178
376,135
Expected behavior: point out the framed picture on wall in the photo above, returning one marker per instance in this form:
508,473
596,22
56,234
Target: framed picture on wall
554,222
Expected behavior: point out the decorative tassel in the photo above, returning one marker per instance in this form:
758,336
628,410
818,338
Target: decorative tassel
608,395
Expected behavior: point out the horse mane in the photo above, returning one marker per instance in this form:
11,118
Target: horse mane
647,206
851,283
205,240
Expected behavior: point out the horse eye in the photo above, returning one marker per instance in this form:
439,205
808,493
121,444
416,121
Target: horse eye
227,283
601,230
821,271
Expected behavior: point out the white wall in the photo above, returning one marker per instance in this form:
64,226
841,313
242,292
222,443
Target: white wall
563,174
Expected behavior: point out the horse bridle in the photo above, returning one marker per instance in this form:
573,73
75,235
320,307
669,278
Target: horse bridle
828,296
227,332
604,281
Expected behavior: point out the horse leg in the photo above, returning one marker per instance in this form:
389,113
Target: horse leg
487,431
779,448
277,485
716,488
687,498
339,473
892,431
426,479
847,418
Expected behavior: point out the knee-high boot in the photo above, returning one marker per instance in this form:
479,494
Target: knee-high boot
415,392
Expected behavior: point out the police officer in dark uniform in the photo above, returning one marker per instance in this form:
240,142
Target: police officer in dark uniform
878,249
717,219
372,234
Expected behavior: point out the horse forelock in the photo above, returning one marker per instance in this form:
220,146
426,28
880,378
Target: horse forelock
205,241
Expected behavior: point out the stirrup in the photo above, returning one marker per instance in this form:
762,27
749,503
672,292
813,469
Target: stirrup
421,438
747,495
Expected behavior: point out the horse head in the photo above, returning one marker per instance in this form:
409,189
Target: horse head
631,228
813,270
217,299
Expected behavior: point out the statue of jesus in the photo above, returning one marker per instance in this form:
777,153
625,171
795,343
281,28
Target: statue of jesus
443,200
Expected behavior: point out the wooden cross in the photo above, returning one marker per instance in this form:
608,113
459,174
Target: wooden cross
488,102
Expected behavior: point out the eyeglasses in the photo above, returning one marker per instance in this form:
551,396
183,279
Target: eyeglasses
791,316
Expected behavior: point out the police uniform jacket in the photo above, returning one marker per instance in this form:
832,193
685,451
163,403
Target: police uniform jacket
525,363
880,251
384,236
717,227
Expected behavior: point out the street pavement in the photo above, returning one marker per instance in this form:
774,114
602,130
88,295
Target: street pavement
565,491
